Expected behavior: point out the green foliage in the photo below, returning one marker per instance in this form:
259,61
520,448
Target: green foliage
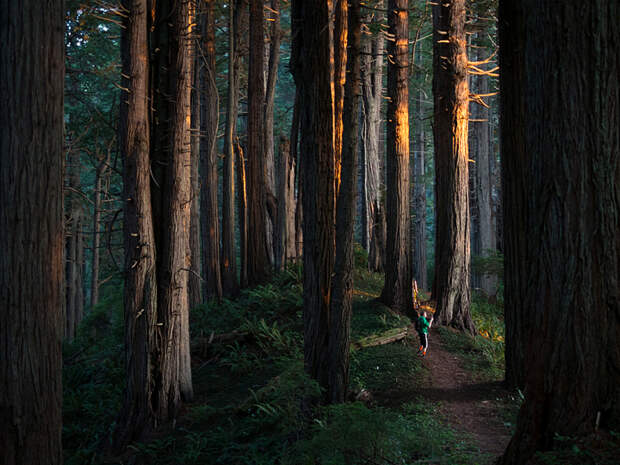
387,367
360,256
93,381
356,434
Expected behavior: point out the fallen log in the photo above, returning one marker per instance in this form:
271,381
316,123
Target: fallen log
389,336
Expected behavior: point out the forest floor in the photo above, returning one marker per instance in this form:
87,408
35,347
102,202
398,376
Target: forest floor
447,408
470,405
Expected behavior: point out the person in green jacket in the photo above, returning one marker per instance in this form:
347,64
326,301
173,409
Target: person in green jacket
423,325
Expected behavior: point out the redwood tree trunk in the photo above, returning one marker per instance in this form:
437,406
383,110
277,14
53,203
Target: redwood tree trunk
242,203
208,159
31,231
140,289
230,284
258,255
451,97
397,289
567,134
372,90
275,35
285,233
314,78
419,189
340,67
342,285
194,278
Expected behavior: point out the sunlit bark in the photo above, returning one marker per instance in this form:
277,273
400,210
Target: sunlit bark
451,98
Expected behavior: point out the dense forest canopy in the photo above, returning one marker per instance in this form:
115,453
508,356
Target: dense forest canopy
226,224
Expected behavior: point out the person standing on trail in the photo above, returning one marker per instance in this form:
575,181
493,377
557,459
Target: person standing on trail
423,325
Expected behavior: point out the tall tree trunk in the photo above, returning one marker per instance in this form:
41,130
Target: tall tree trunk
285,233
101,175
340,67
74,306
419,188
194,278
138,414
451,98
314,77
275,35
342,284
172,297
230,284
564,135
258,254
480,148
31,231
242,203
372,97
397,289
208,159
296,157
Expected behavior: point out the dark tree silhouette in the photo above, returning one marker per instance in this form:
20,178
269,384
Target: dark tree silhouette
562,135
31,231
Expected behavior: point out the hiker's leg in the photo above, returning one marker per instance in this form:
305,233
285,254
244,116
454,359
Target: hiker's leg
425,341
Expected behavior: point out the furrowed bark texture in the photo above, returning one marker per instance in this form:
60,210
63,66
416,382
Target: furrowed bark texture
31,231
140,291
479,143
314,77
451,98
342,284
258,254
397,289
419,189
275,38
285,237
372,93
242,205
194,278
340,67
570,124
173,298
209,104
230,284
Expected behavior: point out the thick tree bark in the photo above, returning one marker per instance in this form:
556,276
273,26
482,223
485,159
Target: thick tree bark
372,96
296,157
194,278
479,144
285,233
140,290
342,284
419,189
275,35
242,204
563,131
451,97
314,77
257,250
173,299
340,68
31,231
397,289
230,284
156,300
209,104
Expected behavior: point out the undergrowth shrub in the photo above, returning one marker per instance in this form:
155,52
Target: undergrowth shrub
355,434
93,381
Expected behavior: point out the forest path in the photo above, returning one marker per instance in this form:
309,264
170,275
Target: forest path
470,406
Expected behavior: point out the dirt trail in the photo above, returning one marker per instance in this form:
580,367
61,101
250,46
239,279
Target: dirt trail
470,406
